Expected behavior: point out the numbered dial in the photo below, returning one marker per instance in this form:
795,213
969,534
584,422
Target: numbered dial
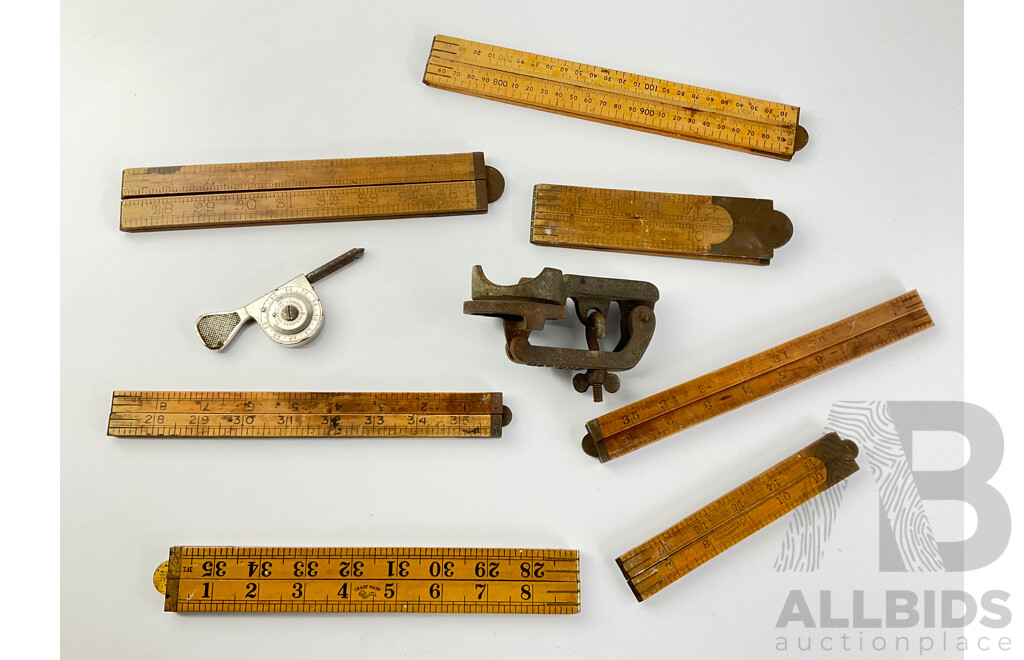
291,315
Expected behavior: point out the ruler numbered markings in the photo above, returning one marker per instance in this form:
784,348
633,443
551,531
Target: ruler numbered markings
437,580
241,194
660,561
307,414
648,420
644,103
735,229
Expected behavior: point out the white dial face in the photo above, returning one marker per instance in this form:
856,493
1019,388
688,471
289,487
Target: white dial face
291,315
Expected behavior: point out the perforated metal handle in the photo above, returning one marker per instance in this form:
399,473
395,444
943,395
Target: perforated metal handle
217,329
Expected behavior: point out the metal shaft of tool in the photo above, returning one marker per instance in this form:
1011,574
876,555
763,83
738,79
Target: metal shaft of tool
337,263
595,331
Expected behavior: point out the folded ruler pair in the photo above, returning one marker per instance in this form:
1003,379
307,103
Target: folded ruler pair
648,420
615,97
450,580
307,414
735,229
245,194
660,561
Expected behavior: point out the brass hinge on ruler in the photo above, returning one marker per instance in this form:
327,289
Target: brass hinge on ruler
449,580
735,229
614,97
307,414
657,563
245,194
648,420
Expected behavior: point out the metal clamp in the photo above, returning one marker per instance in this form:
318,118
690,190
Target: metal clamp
526,306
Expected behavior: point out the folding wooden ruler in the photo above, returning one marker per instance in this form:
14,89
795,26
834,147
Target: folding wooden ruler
454,580
242,194
657,563
614,97
307,414
733,229
639,424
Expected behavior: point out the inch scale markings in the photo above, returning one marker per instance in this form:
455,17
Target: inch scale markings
733,229
281,192
306,414
293,174
436,580
615,97
660,561
639,424
292,206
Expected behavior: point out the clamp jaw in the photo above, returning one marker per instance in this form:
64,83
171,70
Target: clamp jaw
526,306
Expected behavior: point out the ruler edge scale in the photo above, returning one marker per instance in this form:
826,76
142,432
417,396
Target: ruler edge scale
912,319
640,194
655,578
838,463
596,437
499,414
606,456
918,306
839,468
814,450
845,459
632,93
476,157
479,168
486,181
799,140
170,574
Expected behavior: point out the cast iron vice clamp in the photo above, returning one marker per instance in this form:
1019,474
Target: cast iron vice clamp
526,306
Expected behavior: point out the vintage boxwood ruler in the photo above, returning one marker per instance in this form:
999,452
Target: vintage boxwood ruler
735,229
241,194
307,414
614,97
452,580
657,563
648,420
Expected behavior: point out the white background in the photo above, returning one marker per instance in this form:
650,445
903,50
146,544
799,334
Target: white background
875,198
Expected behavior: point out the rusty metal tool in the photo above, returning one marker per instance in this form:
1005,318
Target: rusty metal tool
439,580
159,414
526,306
660,415
657,563
643,103
284,192
291,314
735,229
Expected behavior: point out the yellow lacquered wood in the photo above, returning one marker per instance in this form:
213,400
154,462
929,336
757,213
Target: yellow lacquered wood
449,580
632,101
186,414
